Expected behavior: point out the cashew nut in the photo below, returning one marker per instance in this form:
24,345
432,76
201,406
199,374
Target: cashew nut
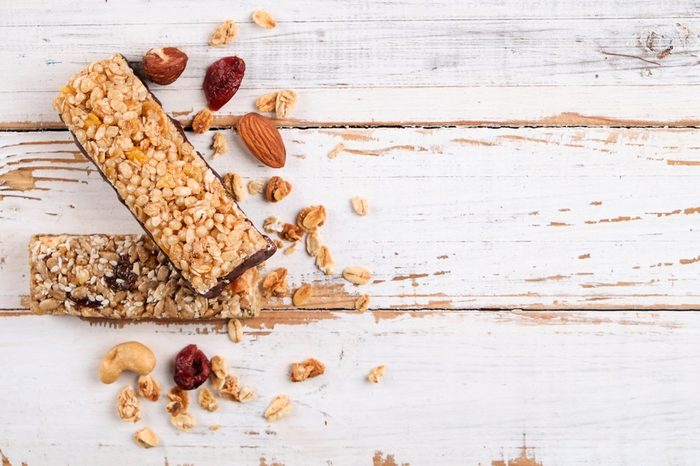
129,356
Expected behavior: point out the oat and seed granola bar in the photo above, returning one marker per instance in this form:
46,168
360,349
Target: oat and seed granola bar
124,277
144,155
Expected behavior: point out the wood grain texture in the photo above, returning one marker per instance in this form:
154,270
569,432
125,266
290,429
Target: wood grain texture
586,388
459,218
383,63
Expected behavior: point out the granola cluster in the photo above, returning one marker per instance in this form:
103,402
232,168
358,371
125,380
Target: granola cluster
157,173
124,276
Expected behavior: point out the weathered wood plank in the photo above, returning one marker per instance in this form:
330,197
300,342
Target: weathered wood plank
405,65
459,217
460,388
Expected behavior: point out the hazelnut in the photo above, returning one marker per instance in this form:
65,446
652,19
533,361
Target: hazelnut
277,189
164,65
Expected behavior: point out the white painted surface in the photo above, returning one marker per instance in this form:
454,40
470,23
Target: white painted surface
460,388
482,218
455,203
457,61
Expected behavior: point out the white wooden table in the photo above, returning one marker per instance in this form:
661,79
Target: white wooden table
532,171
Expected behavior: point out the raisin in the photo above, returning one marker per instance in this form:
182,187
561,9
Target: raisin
191,368
223,79
85,302
123,278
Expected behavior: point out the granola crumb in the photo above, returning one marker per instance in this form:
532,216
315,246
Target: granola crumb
219,371
275,283
230,388
149,387
359,205
128,405
336,151
266,103
246,395
202,121
324,260
146,438
183,421
179,401
291,232
218,145
235,330
224,34
264,19
215,427
279,244
234,185
290,250
362,303
308,368
270,224
311,218
313,244
255,187
376,374
207,401
279,407
303,295
286,100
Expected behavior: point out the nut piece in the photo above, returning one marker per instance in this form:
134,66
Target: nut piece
128,405
277,189
266,103
312,217
301,371
264,19
303,295
357,275
255,187
376,374
275,283
262,139
313,244
164,65
362,303
291,232
218,145
286,99
202,121
324,260
207,400
183,421
224,34
179,401
235,330
359,205
129,356
146,438
279,406
149,388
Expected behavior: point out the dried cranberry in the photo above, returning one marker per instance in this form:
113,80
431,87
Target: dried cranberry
191,368
223,79
123,278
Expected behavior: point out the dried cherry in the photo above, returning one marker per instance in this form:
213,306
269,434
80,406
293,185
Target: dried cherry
223,79
192,368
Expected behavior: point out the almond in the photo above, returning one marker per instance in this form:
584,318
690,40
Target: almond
164,65
262,139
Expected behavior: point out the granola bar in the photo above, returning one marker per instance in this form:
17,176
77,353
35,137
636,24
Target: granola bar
124,277
168,187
